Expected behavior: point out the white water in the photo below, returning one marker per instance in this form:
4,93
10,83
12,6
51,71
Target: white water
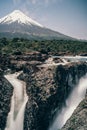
19,99
50,62
72,102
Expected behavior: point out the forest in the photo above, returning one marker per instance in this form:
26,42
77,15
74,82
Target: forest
50,47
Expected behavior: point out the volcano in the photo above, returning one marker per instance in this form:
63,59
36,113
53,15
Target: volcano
17,24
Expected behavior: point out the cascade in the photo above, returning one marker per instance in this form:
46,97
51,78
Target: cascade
18,102
77,95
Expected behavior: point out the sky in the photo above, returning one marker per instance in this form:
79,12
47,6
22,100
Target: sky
66,16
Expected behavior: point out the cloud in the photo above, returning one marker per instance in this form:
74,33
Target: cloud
38,2
16,1
32,7
25,10
34,1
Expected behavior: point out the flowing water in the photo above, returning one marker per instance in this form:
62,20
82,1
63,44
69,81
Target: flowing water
72,102
18,102
19,99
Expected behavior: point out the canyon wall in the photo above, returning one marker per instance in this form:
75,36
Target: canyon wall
78,120
6,91
47,89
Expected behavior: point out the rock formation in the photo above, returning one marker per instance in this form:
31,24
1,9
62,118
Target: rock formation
78,121
6,90
47,89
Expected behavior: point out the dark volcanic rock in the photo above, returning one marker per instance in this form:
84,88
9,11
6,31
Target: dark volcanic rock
6,91
32,56
4,62
78,120
48,88
17,61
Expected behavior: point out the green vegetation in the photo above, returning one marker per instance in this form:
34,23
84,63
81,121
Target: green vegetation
10,46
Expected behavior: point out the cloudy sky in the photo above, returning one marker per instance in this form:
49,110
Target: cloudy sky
65,16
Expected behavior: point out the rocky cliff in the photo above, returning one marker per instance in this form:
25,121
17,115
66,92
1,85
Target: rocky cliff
78,120
5,100
47,88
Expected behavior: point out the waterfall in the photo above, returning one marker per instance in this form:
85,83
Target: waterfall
72,102
18,102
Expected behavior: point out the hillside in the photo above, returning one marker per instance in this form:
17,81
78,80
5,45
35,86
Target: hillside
19,25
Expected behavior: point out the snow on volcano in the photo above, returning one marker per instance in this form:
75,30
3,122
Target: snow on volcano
18,16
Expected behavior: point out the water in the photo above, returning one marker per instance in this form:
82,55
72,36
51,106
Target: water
18,102
64,60
72,102
72,58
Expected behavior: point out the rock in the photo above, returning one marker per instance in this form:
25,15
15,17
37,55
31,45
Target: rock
57,60
1,72
48,88
78,120
84,54
6,91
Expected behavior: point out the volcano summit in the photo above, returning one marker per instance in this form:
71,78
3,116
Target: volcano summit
17,24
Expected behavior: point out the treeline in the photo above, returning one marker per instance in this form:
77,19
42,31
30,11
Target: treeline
10,46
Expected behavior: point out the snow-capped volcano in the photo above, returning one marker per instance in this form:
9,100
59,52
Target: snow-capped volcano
17,24
18,16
